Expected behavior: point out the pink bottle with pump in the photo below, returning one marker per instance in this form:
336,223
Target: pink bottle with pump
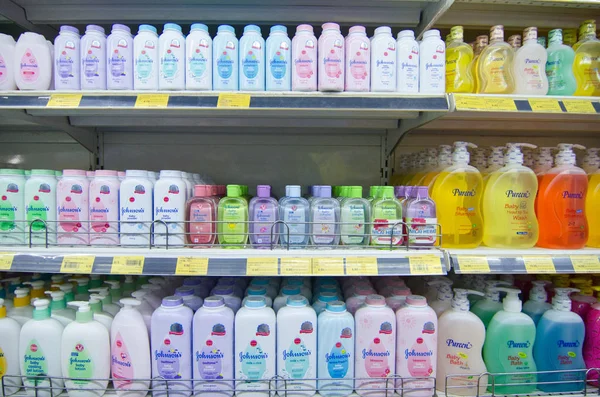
358,60
331,58
104,208
73,210
591,346
201,212
304,62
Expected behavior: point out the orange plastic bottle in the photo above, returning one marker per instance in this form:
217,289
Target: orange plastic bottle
561,203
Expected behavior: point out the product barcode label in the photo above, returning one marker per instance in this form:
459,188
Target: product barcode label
191,266
127,265
328,266
539,264
361,266
585,263
262,267
295,266
468,264
425,264
81,264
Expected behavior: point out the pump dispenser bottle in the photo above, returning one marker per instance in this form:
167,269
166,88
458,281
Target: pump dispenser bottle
59,309
443,298
486,308
9,353
536,306
591,165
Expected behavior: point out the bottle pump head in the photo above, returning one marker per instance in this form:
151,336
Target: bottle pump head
461,154
432,160
491,292
460,301
511,303
538,291
566,155
561,300
129,303
591,161
42,309
479,158
84,312
513,152
444,155
496,158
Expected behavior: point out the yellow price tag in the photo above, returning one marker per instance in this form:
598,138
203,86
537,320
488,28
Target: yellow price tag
473,264
362,266
467,102
328,266
6,260
579,106
296,266
545,105
539,264
228,100
425,264
81,264
261,267
127,265
585,263
152,101
191,266
64,100
500,104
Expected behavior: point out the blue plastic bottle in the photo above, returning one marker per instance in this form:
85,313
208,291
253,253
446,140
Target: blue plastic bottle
252,60
294,212
536,306
225,59
278,65
559,346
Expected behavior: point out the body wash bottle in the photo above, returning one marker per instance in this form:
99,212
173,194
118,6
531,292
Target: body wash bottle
233,218
494,67
586,66
529,67
386,218
559,66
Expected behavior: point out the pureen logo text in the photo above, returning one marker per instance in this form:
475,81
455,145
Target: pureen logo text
460,345
562,343
463,193
569,195
518,345
513,194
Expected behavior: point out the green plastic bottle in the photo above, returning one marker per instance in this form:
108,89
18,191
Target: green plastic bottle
487,308
232,216
559,66
386,213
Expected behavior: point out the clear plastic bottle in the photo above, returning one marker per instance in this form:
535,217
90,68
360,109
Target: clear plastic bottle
294,210
495,65
355,214
232,215
201,212
325,219
529,66
263,213
559,66
586,65
459,56
386,218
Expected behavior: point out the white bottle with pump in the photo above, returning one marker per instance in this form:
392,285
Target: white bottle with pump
21,310
145,59
9,353
460,343
59,309
407,63
432,63
536,306
106,300
383,60
100,315
171,52
7,65
84,348
443,299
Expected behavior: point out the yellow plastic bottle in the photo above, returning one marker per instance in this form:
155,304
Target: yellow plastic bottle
583,28
495,64
459,56
569,37
456,192
479,159
586,66
480,44
592,200
508,203
430,165
444,161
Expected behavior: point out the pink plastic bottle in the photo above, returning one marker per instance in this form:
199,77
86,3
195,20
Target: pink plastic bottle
417,347
354,302
591,346
304,62
104,208
581,304
331,58
201,212
358,60
73,210
375,325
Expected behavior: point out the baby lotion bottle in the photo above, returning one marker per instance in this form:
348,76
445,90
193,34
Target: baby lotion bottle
119,57
331,58
145,59
495,65
358,60
459,56
355,214
407,62
386,218
104,208
592,209
67,59
325,219
278,60
9,353
12,207
199,55
40,207
304,59
72,194
93,58
294,212
201,212
252,60
58,308
232,216
375,358
21,311
135,199
559,65
536,306
383,60
529,67
171,55
432,63
32,62
169,208
225,60
264,211
7,64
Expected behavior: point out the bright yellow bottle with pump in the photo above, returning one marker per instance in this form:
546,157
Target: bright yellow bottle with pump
495,64
459,56
444,161
586,66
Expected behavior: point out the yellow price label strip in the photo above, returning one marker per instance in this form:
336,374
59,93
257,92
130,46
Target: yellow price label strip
328,266
500,104
6,260
545,105
473,264
466,102
229,100
579,106
262,267
81,264
152,101
585,263
361,266
64,100
539,264
191,266
425,264
295,266
127,265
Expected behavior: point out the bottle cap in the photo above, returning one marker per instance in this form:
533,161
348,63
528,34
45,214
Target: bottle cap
225,29
513,152
278,29
431,33
561,300
222,290
42,309
331,26
251,29
118,26
416,300
234,191
530,33
94,28
497,33
84,311
255,290
511,302
327,297
375,300
336,307
406,34
357,29
294,190
69,29
201,191
263,191
461,155
325,191
147,28
555,36
255,302
383,30
214,301
456,33
296,301
172,301
184,291
538,291
199,26
304,28
566,155
491,291
290,290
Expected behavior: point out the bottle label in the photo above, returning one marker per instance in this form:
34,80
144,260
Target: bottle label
64,63
532,70
279,62
144,64
517,357
8,211
198,60
170,65
100,212
265,215
323,228
296,359
168,357
117,65
386,65
225,65
201,216
333,61
338,358
420,358
3,364
29,67
498,71
3,74
233,232
458,355
354,231
386,227
211,358
358,60
80,365
91,61
253,359
304,63
70,209
34,361
37,209
295,213
421,231
378,357
121,367
408,68
435,68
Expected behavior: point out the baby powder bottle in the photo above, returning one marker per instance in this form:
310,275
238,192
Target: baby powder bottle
297,348
417,347
278,58
51,48
104,208
66,59
304,59
255,340
12,206
225,59
72,194
212,354
252,60
7,63
358,60
432,63
145,59
93,58
383,60
135,199
119,57
40,204
169,207
331,58
171,50
375,354
199,55
407,63
32,62
335,353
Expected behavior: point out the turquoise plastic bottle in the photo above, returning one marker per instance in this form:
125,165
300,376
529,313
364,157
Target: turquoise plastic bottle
559,66
559,346
508,348
487,308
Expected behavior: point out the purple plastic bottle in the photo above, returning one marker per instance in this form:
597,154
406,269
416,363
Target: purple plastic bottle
263,214
420,216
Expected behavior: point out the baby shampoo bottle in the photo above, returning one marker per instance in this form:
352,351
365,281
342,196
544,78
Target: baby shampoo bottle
494,67
331,58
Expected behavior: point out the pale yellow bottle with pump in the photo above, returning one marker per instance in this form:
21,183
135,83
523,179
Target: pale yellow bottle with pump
480,44
430,165
494,67
459,56
586,66
444,161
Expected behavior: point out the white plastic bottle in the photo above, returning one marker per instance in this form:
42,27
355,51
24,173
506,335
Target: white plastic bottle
331,58
59,309
297,348
171,52
93,58
119,58
169,207
12,207
40,204
51,49
252,60
9,353
67,53
358,60
84,347
278,60
407,63
432,63
104,208
39,351
281,300
383,60
21,311
7,63
304,59
145,59
225,60
130,351
529,66
135,198
199,55
32,62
